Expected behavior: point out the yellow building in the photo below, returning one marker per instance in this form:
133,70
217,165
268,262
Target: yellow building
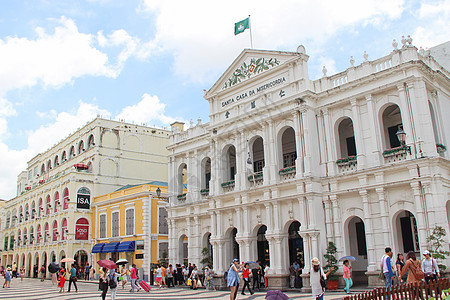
131,223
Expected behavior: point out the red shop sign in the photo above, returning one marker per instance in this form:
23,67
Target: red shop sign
81,232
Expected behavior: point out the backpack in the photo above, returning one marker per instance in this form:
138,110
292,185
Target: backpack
417,272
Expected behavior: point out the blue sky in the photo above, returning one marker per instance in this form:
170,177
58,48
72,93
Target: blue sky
147,61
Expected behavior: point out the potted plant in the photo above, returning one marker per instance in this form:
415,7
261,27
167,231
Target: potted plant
331,261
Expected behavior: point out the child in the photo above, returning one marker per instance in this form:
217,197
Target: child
62,280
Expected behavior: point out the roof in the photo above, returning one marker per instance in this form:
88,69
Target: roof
159,183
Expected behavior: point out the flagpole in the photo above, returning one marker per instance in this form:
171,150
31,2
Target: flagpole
250,25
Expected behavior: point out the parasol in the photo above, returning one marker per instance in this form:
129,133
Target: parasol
67,259
252,264
106,263
349,257
276,295
121,261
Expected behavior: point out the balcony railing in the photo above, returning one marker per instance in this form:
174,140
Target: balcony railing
347,164
228,186
256,178
204,192
395,154
287,173
181,197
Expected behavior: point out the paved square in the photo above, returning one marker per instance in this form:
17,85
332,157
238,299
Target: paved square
34,289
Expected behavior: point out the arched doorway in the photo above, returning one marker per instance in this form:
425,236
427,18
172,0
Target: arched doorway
263,246
207,250
295,245
44,260
36,265
234,245
406,234
29,267
81,257
356,246
183,250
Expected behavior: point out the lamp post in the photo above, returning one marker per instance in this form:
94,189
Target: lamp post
158,192
401,135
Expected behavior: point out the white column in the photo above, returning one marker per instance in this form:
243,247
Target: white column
357,131
269,217
190,176
273,153
337,224
299,167
328,219
420,216
384,215
405,110
217,169
214,159
329,143
372,265
375,149
306,115
240,169
266,143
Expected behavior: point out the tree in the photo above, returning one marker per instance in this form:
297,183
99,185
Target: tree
163,261
207,259
331,261
436,241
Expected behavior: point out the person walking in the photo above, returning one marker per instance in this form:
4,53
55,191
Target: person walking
400,263
103,286
347,276
386,266
163,276
412,266
73,278
315,274
209,281
194,277
233,278
61,279
169,273
22,273
292,276
158,275
42,272
180,275
87,269
55,278
113,282
8,275
125,276
430,267
133,277
14,270
91,273
256,276
246,278
266,273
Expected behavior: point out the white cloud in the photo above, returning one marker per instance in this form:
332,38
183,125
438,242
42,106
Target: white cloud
149,109
435,24
200,33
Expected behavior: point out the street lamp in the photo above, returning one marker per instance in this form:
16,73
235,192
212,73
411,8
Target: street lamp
401,135
158,192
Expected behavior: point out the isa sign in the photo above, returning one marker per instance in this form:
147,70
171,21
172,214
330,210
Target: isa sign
83,201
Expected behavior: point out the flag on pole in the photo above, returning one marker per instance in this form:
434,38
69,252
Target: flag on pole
239,27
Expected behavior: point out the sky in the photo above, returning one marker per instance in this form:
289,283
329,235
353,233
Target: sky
63,62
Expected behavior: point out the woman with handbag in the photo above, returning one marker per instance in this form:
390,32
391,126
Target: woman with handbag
103,284
209,284
415,274
318,279
233,278
113,282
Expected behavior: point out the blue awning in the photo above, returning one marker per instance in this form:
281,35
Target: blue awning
111,247
126,246
98,248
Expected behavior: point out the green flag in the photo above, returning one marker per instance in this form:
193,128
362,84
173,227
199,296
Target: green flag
241,26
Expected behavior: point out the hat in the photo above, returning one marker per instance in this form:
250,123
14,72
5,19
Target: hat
235,259
8,269
426,252
315,261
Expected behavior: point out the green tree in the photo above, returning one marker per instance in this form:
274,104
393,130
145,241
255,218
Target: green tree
207,259
436,242
331,260
163,261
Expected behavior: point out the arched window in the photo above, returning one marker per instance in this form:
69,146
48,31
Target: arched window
31,235
19,237
25,236
20,214
56,202
72,152
83,198
82,229
38,234
392,122
42,169
257,155
289,151
81,147
206,174
40,208
64,229
48,205
56,161
347,145
55,232
66,198
229,163
8,220
46,233
63,157
181,180
27,212
13,218
91,141
33,210
49,165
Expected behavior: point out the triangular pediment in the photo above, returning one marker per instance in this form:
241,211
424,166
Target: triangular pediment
249,64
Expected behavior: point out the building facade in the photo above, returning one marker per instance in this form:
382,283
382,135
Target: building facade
131,224
51,217
287,164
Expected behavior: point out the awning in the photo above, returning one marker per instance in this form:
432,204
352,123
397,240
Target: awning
111,247
98,248
126,246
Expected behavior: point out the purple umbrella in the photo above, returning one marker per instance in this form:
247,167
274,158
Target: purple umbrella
276,295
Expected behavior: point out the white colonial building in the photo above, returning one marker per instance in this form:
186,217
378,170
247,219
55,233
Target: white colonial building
287,164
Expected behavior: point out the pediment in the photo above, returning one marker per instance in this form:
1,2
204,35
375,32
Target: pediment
249,64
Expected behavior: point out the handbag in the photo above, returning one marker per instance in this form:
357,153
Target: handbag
189,282
323,281
381,275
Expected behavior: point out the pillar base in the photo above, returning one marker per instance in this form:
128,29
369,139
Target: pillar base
278,281
306,283
373,279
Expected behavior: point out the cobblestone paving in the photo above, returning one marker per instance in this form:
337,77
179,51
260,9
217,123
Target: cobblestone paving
34,289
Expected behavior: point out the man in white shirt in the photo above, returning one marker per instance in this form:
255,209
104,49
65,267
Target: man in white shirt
430,267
